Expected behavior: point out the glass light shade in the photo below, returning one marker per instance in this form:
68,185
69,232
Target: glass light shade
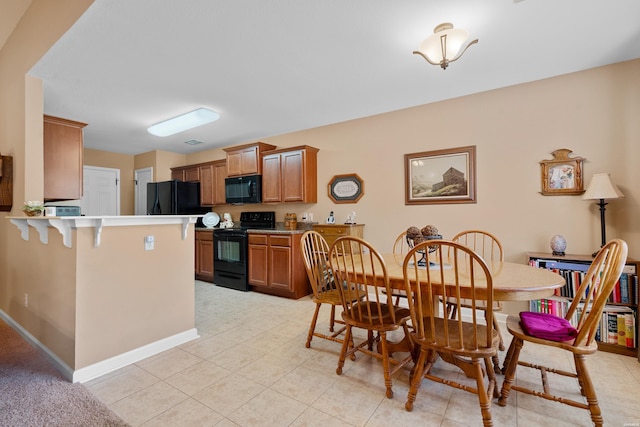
432,47
601,187
190,120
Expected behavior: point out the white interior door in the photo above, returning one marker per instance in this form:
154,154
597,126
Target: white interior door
142,177
101,195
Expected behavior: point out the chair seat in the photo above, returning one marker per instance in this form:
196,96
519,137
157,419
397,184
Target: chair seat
514,327
454,340
369,317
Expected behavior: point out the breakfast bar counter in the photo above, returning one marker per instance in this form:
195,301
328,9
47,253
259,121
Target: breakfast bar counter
99,293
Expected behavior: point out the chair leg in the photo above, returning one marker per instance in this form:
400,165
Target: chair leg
510,370
497,327
333,319
312,327
587,389
507,357
416,379
345,349
483,397
386,364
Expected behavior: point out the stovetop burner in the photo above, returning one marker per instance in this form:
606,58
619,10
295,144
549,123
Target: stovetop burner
258,220
252,221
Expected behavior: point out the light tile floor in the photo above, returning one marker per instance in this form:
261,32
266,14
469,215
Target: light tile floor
250,368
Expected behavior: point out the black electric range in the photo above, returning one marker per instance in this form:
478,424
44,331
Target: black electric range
230,249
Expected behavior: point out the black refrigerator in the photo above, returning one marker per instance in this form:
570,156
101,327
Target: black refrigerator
174,198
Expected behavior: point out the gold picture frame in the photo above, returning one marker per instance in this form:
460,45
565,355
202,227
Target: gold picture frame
562,175
441,176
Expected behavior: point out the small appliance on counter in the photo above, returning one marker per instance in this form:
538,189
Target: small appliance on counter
62,210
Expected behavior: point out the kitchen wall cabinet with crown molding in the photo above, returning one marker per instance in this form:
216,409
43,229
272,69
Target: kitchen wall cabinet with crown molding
245,159
186,173
290,175
211,176
63,159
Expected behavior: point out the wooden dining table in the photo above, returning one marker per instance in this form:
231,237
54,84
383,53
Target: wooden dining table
511,282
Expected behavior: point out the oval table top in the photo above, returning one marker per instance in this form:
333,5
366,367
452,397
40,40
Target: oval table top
511,281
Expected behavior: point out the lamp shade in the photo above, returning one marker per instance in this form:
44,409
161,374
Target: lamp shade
431,46
601,187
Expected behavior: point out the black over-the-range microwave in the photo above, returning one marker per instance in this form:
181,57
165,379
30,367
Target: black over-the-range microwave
243,189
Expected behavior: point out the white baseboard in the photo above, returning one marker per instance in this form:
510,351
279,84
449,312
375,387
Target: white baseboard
133,356
108,365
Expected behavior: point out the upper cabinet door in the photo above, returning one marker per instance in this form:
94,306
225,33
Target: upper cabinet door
219,174
290,175
63,159
271,179
245,159
207,182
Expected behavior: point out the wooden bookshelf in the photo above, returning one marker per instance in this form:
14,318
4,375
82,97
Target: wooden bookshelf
569,264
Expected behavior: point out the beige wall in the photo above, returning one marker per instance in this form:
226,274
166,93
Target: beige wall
128,297
593,113
24,271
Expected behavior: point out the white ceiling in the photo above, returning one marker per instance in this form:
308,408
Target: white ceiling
273,67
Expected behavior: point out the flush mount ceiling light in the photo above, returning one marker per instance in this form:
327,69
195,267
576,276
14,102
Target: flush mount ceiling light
193,142
195,118
444,45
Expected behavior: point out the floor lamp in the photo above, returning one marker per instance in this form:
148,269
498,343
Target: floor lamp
601,188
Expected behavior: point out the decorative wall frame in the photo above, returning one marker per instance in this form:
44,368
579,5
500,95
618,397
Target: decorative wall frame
348,188
561,175
441,176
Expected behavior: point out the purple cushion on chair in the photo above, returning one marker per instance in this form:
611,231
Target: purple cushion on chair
547,326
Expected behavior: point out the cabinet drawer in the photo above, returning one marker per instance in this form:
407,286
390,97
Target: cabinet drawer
276,240
204,235
331,231
257,239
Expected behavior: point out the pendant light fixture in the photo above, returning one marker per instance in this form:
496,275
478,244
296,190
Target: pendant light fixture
445,45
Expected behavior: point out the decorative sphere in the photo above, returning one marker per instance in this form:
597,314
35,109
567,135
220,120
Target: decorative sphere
558,244
429,230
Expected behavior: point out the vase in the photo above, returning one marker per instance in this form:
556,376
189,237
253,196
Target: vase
32,213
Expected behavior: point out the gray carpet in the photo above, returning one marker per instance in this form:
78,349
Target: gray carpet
34,393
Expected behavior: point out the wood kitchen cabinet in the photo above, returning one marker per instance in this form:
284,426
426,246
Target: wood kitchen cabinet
63,159
331,232
204,255
212,176
186,173
276,266
290,175
245,159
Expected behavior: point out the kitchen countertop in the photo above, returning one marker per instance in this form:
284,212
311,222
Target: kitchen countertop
276,230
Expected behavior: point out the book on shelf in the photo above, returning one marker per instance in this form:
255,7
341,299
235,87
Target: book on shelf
622,338
630,326
612,328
